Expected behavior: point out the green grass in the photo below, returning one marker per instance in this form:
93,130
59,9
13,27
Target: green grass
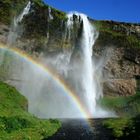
39,2
109,36
117,126
10,8
123,106
124,128
16,123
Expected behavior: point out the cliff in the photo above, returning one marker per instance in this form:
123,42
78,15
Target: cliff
118,44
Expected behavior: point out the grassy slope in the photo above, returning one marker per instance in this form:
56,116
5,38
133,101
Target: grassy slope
16,123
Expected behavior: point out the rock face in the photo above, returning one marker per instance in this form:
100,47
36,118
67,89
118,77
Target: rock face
120,70
118,43
120,87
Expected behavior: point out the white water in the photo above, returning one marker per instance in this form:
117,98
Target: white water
91,88
89,83
24,12
15,30
50,15
69,24
88,73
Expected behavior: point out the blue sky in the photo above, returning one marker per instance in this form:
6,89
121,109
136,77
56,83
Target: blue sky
118,10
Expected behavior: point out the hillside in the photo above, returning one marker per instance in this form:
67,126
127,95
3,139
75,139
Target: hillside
16,123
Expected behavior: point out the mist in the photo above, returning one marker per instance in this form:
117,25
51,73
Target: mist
79,68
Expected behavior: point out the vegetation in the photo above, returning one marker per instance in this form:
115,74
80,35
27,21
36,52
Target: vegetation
39,2
124,128
11,8
37,24
128,108
123,106
16,123
8,10
117,125
119,34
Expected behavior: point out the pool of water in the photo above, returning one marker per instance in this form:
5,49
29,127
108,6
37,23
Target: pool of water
79,129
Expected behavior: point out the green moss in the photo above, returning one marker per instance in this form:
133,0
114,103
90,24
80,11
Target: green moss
16,123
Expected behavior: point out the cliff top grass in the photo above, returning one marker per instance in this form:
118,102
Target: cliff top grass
16,123
117,34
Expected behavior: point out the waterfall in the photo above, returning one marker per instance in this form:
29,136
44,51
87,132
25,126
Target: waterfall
88,76
15,31
87,72
50,15
69,24
24,12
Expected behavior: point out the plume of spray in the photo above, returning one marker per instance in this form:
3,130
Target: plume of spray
46,98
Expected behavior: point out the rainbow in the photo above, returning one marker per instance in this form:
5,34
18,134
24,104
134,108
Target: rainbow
68,91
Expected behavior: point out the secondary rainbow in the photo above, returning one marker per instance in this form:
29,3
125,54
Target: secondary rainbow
68,91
